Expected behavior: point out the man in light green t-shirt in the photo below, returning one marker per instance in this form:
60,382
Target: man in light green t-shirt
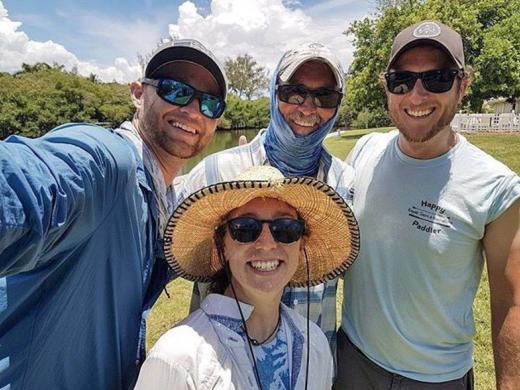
429,205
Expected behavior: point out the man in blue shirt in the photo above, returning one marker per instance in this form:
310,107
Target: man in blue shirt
81,216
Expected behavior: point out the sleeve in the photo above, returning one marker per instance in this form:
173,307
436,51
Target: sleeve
192,182
325,362
507,192
330,370
358,148
159,372
56,189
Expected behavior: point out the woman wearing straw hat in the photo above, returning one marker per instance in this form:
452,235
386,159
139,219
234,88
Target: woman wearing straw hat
251,237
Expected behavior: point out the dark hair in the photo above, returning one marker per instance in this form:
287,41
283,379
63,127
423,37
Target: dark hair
222,278
220,282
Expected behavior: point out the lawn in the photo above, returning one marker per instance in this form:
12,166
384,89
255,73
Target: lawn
503,147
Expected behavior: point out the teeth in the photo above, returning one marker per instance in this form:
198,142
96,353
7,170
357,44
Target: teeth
420,113
305,122
184,127
265,265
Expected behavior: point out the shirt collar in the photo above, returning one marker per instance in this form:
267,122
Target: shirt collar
217,304
165,194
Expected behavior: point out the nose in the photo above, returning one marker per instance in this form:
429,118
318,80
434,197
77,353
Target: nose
418,92
266,239
192,108
308,106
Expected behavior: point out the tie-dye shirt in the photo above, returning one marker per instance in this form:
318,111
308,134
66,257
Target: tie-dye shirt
272,358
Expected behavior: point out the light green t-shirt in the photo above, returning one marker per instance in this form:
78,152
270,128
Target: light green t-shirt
408,296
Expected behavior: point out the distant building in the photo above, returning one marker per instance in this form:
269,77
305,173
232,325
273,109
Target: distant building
503,105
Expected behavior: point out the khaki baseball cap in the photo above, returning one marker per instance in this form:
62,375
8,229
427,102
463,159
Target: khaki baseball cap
429,32
293,59
189,50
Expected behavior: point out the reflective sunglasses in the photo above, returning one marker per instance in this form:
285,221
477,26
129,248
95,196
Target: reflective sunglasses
297,93
436,81
248,229
181,94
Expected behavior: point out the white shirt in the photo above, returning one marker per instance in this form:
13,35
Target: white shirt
201,353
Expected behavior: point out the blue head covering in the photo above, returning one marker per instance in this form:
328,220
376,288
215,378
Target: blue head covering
292,154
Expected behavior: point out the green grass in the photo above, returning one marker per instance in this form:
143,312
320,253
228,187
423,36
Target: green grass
503,147
340,147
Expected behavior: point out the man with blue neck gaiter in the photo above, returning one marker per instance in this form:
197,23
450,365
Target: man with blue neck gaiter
306,92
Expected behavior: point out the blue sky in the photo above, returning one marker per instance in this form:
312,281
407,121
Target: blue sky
104,37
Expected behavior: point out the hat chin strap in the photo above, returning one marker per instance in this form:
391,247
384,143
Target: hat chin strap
308,313
220,249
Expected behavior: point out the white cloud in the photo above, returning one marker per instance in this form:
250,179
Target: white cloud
17,48
262,28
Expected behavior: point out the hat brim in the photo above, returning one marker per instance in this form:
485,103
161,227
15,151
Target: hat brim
331,242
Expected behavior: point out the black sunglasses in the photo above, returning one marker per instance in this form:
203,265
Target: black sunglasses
248,229
436,81
297,93
181,94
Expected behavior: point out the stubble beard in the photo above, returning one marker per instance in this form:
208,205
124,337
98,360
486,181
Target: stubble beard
443,122
149,124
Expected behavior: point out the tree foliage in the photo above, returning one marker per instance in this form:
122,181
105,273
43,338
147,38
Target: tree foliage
241,113
40,97
498,65
491,34
246,78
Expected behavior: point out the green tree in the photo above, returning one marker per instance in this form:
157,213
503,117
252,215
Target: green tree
241,113
498,65
246,78
366,119
40,97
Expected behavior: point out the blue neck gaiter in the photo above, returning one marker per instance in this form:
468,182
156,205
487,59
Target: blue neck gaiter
294,155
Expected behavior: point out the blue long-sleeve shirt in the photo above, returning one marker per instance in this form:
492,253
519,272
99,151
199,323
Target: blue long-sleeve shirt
78,268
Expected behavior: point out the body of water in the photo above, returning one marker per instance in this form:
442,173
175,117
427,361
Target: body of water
224,139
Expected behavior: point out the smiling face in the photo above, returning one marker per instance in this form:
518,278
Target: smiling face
175,131
265,266
305,118
421,115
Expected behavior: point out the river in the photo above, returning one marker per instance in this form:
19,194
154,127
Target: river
221,140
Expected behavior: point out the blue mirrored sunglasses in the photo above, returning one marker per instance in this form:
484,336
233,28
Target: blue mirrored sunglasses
181,94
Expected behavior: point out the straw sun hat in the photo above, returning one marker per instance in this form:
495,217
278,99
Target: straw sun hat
331,237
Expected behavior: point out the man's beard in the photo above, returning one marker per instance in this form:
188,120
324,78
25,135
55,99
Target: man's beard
149,125
308,120
442,123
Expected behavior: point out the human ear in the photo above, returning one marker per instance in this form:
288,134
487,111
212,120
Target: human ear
136,93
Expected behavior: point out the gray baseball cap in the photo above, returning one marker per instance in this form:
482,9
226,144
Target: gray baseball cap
189,50
429,32
293,59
